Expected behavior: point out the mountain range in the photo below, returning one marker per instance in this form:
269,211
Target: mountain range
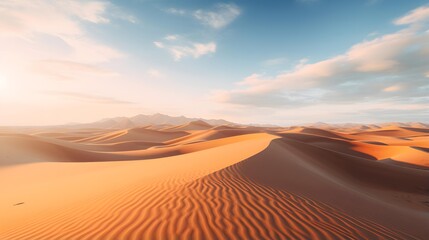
145,120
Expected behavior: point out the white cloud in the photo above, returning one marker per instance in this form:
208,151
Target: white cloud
92,11
200,49
88,50
187,49
68,70
387,68
254,79
302,62
171,37
158,44
218,17
48,46
393,88
221,16
88,97
43,29
21,17
176,11
195,50
417,15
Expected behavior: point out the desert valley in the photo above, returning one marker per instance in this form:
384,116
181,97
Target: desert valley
222,181
214,120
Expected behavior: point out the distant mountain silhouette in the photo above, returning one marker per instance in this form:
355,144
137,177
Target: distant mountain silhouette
145,120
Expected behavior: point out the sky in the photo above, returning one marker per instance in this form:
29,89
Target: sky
247,61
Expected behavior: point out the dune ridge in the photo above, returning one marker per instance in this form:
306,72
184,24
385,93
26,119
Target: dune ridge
192,210
196,181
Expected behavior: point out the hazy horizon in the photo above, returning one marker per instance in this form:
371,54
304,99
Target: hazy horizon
282,63
202,118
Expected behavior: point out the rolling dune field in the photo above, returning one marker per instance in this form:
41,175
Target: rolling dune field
198,181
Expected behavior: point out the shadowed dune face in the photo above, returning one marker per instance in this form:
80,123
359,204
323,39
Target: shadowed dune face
197,181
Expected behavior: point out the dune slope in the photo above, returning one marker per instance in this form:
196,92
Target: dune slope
195,181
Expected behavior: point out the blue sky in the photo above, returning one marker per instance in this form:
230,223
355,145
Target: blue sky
280,62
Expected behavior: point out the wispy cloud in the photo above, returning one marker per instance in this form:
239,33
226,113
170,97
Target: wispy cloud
393,88
57,18
69,70
88,97
186,48
171,37
392,67
31,31
176,11
221,15
418,15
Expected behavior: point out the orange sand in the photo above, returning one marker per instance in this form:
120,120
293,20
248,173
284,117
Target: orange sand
197,181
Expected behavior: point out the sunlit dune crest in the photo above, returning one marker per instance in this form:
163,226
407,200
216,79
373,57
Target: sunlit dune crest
202,181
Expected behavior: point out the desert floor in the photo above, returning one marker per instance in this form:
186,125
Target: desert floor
197,181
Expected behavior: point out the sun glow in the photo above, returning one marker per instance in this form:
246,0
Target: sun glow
2,82
4,85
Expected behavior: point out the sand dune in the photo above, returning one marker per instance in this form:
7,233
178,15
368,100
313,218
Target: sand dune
141,133
196,181
413,154
211,134
194,125
18,149
318,132
396,132
96,179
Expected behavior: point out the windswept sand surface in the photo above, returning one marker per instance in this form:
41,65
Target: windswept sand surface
196,181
